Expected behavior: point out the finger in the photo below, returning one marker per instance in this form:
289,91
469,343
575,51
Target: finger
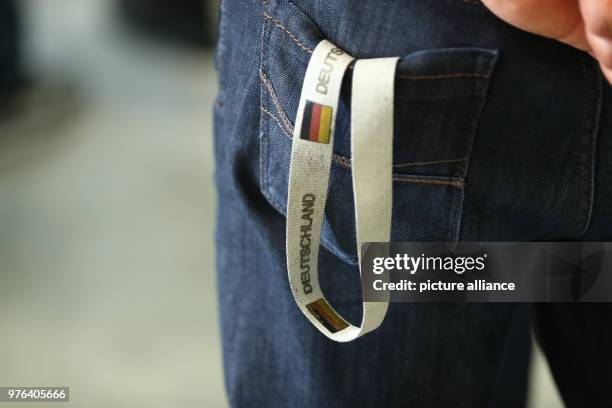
607,73
597,16
557,19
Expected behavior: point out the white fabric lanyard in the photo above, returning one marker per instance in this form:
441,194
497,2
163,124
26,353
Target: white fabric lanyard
311,155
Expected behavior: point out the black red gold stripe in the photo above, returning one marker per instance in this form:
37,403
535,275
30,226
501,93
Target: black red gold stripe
316,122
326,315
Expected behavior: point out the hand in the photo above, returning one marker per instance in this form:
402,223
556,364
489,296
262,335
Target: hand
584,24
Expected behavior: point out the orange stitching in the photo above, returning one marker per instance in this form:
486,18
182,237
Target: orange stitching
285,131
279,24
426,163
413,180
277,104
342,160
443,76
285,29
440,76
346,163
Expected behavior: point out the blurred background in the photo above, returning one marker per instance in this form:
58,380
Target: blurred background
107,204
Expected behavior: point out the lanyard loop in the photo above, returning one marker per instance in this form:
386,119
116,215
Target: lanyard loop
311,155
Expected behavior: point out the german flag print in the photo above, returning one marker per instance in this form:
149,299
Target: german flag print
326,315
316,122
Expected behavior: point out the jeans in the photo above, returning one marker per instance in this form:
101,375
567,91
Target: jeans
499,135
9,48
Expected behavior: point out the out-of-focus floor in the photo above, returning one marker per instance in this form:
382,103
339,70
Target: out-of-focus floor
107,219
107,203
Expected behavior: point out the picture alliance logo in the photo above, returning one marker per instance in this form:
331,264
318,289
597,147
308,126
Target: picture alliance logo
422,262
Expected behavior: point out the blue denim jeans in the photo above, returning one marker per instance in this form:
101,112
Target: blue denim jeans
9,48
499,136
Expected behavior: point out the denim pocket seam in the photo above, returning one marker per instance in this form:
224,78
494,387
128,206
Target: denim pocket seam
437,181
287,128
294,37
430,162
445,76
456,213
591,112
301,44
278,23
477,114
345,163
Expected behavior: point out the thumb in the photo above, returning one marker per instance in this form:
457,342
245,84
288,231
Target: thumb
597,16
557,19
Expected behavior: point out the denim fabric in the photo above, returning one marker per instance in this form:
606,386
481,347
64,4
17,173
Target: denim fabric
499,136
9,48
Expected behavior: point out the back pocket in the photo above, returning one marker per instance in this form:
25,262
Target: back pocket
439,94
